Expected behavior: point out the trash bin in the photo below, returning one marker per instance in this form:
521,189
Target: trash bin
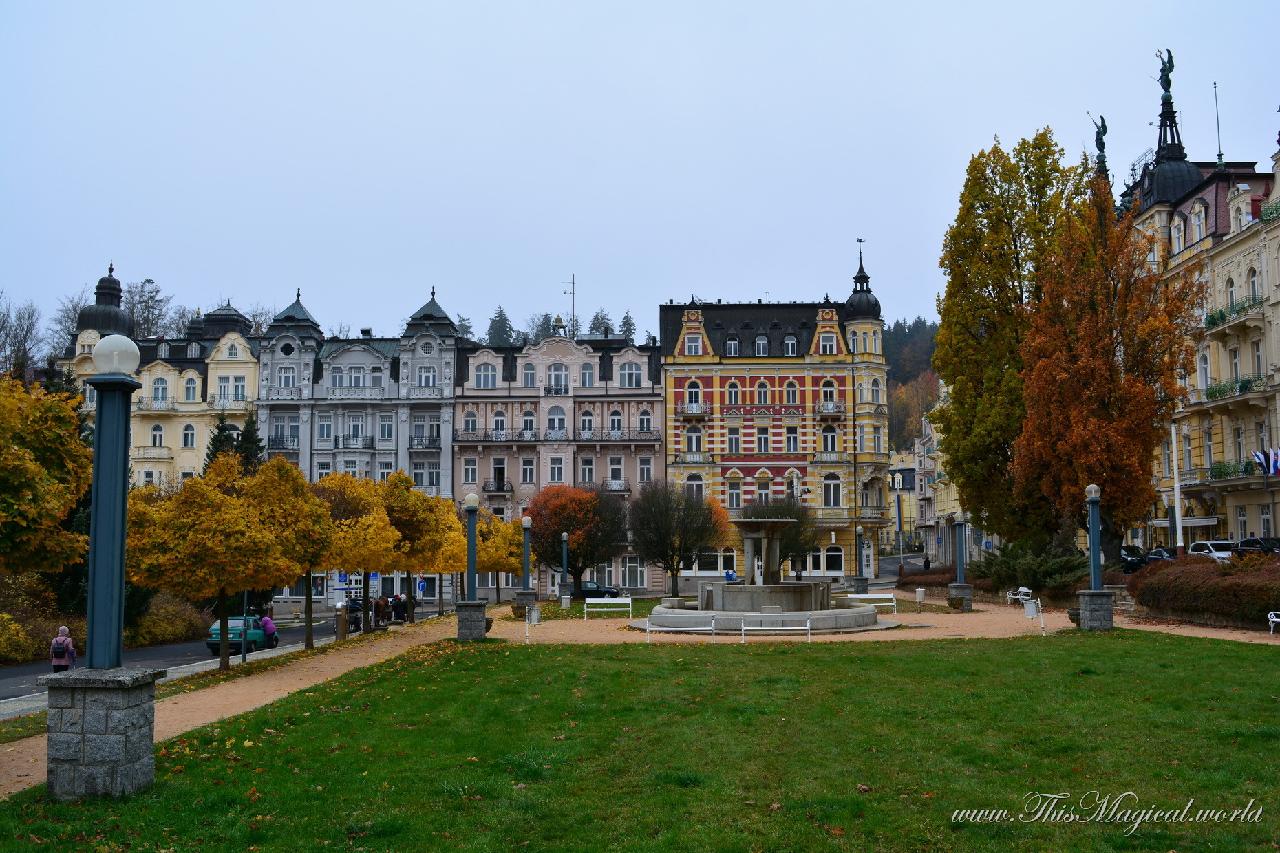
565,601
533,614
919,598
1030,608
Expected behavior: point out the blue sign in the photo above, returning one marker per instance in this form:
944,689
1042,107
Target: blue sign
939,538
373,577
986,544
342,577
422,586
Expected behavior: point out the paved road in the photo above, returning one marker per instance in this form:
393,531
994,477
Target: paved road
20,680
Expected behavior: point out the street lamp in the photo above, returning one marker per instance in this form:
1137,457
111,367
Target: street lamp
114,359
1093,496
471,503
527,524
565,597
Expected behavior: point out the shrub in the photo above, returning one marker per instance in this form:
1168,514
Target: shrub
1017,565
168,619
1241,591
16,644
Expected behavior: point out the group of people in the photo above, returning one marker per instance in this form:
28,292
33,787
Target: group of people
390,609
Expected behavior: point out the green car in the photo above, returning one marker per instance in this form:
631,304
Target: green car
235,627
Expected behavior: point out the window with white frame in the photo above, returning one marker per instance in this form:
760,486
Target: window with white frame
762,439
629,375
486,377
762,345
828,391
238,388
587,422
355,426
286,376
792,437
470,423
615,421
645,468
157,436
875,390
731,394
731,346
433,475
633,573
526,471
500,422
831,490
419,426
587,469
529,376
646,421
324,427
615,468
385,427
587,375
792,393
349,467
323,469
762,393
693,393
375,377
789,345
555,473
162,350
693,486
693,440
693,344
528,421
556,421
233,351
193,350
355,377
829,440
558,378
336,377
733,439
734,494
159,390
426,376
189,390
188,436
469,469
419,473
826,344
384,470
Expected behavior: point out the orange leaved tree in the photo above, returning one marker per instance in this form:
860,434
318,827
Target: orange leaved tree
1102,357
595,521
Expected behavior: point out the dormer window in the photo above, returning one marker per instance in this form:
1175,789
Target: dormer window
335,377
827,344
762,345
193,351
693,344
731,346
162,351
1197,225
1178,238
233,351
789,346
486,377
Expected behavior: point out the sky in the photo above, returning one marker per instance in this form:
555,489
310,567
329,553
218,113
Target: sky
366,152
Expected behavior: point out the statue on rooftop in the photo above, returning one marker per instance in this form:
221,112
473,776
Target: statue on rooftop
1166,71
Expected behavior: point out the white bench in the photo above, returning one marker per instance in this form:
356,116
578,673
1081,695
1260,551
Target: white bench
1021,595
693,629
777,627
876,599
605,605
1273,619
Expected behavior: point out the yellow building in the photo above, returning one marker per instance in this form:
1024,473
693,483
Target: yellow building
187,383
766,400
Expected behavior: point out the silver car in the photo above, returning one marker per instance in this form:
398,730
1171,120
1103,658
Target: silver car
1219,550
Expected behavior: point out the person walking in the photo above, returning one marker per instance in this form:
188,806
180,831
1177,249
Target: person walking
62,651
926,562
269,631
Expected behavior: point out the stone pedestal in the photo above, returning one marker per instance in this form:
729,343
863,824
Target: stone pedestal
960,597
524,597
1097,607
472,623
859,584
101,731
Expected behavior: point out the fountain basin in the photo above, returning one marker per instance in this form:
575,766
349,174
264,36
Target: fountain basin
860,617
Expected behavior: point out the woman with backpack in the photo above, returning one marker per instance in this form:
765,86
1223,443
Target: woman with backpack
62,651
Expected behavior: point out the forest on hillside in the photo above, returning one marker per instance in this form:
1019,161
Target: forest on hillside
913,386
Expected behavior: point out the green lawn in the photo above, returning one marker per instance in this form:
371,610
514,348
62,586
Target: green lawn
771,747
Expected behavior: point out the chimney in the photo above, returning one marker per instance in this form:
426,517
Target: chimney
366,332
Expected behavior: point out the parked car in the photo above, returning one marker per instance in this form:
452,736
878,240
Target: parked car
595,590
1258,545
257,638
1160,554
1217,549
1132,558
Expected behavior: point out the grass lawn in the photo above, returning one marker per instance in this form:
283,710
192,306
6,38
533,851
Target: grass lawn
771,747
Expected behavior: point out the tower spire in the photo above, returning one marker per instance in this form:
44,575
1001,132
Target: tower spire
1170,144
861,280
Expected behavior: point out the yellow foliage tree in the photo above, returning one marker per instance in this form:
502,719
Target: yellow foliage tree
364,539
452,556
499,546
199,541
424,523
295,516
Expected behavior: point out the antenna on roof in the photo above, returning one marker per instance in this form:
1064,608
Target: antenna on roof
1218,125
573,302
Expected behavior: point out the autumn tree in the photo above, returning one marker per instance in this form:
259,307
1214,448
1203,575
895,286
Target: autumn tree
364,539
424,524
669,527
499,547
297,519
1011,213
1103,352
45,468
595,521
908,403
204,540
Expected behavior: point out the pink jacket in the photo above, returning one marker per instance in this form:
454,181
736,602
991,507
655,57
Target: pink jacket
70,654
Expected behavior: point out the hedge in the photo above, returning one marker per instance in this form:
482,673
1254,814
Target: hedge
1241,591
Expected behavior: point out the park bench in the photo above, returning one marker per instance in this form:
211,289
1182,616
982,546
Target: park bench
877,599
604,604
1021,595
778,626
1273,619
694,629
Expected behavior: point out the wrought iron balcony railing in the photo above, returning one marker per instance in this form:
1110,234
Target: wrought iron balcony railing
1237,308
1235,387
282,442
424,442
1230,470
356,442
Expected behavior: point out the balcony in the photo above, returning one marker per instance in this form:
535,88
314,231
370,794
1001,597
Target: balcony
555,435
276,392
555,391
150,404
358,392
1270,211
282,442
153,453
1237,390
1234,470
692,410
1223,321
616,485
693,457
424,442
830,457
355,442
424,392
647,435
497,486
828,409
228,403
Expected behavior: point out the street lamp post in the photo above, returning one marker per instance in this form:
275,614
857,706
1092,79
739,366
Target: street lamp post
1097,605
81,760
960,593
858,580
471,503
526,525
566,594
472,622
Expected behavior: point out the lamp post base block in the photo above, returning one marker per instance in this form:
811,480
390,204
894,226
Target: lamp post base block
472,624
960,597
524,598
101,727
859,584
1097,609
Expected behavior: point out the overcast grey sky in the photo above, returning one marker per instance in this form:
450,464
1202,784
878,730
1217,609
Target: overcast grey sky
367,151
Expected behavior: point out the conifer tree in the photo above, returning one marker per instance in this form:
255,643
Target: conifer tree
249,445
627,328
501,332
600,323
222,439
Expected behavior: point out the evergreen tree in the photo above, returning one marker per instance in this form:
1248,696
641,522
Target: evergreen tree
249,446
539,327
222,439
464,327
628,327
600,323
501,332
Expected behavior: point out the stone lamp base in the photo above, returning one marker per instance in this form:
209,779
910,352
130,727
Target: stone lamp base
960,597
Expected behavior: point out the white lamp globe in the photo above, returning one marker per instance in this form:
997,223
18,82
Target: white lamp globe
115,354
1092,491
471,501
526,522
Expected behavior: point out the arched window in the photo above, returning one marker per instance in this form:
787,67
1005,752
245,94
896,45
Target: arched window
159,390
555,420
875,390
693,440
789,345
731,346
528,421
587,421
828,391
189,391
470,423
1203,371
831,490
587,376
188,436
426,376
233,351
731,394
762,393
162,350
335,377
864,343
1253,283
615,421
853,342
693,393
530,374
629,375
558,378
486,376
875,342
646,421
500,421
157,436
1236,220
829,439
762,345
835,560
693,486
1231,292
792,391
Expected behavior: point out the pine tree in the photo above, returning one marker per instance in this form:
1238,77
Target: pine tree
222,439
501,332
628,327
249,445
464,326
539,327
600,323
